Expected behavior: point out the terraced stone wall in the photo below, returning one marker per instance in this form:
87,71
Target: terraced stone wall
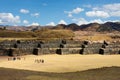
16,48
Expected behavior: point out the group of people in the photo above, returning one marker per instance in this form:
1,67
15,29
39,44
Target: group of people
20,58
14,58
39,60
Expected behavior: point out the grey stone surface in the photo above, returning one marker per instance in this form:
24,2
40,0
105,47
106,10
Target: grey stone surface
14,48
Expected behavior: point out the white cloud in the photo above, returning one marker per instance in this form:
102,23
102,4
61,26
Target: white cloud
35,24
96,21
81,21
24,11
115,6
101,14
77,10
0,21
70,15
25,21
35,14
112,21
62,22
115,13
51,24
112,9
9,18
74,11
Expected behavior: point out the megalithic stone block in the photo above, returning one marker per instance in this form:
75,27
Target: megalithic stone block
39,45
35,51
61,45
86,42
18,41
63,42
13,52
15,46
103,46
58,51
101,51
82,51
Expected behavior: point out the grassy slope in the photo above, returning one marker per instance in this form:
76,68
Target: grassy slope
112,73
41,34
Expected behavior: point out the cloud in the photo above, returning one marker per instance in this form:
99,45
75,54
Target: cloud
77,10
112,7
9,18
116,13
35,14
81,21
51,24
101,14
74,11
70,15
0,21
35,24
24,11
62,22
96,21
25,21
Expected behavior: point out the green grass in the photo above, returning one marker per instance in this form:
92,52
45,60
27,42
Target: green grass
111,73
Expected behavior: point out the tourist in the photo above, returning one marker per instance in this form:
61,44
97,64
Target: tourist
42,61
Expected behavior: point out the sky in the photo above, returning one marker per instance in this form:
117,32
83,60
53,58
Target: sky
53,12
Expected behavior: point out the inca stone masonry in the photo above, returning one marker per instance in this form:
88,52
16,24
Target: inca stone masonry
18,48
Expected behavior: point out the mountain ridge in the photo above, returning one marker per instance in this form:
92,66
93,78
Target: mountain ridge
108,26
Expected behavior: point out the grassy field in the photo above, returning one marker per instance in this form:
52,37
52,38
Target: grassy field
62,63
111,73
59,34
45,35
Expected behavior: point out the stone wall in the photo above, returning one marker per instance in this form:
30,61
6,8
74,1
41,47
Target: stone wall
15,48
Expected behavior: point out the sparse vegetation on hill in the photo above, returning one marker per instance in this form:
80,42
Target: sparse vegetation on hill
13,34
43,33
109,26
54,33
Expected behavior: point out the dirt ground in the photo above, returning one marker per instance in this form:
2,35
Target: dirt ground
61,63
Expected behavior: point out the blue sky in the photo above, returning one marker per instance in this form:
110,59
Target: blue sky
53,12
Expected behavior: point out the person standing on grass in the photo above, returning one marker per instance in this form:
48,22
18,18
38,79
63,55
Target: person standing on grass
42,61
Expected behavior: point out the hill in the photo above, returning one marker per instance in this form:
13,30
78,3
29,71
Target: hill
109,26
43,33
106,27
90,27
